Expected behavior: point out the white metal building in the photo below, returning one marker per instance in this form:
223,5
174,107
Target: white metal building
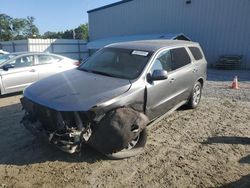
222,27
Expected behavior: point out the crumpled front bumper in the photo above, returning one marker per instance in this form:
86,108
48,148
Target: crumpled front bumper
67,138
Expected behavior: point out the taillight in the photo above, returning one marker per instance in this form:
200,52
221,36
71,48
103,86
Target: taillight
77,63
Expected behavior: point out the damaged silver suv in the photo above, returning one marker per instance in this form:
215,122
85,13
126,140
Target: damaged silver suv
109,100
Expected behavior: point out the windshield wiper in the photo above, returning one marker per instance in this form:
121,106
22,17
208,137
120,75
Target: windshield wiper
102,73
83,69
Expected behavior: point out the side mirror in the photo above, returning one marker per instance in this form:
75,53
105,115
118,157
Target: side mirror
159,75
8,66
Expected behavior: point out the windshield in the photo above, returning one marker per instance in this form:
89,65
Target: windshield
120,63
5,57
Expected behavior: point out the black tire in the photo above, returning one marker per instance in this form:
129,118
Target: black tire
195,96
137,149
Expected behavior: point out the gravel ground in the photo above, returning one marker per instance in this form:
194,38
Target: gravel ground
219,83
206,147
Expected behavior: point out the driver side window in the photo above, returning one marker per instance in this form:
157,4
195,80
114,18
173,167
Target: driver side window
163,62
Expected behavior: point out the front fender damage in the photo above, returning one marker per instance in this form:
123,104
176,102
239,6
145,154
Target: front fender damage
70,130
117,129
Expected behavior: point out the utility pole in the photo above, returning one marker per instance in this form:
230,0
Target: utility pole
74,34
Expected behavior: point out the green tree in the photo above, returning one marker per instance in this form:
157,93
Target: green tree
17,28
52,35
30,28
68,34
81,32
5,27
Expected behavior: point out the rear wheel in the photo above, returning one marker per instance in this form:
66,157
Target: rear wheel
195,96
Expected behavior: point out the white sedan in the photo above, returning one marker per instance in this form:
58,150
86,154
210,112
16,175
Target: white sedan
18,70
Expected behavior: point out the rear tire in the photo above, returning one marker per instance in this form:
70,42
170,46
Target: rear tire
137,149
195,97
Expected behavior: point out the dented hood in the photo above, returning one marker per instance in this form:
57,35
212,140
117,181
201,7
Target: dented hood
75,90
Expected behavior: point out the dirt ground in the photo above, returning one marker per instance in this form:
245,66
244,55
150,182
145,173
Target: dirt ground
206,147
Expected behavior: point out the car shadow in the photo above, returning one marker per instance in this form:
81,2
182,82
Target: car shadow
19,147
245,160
11,94
228,140
245,180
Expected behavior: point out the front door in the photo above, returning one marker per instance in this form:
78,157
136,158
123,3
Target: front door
19,77
160,93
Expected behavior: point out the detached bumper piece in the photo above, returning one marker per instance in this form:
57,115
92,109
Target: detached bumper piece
66,130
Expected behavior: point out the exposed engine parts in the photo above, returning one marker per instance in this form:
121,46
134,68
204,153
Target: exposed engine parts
70,141
68,138
67,130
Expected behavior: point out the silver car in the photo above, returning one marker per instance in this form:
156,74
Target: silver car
108,101
18,70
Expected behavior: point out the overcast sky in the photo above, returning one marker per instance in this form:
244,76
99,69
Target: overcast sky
52,15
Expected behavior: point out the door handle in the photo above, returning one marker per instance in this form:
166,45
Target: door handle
172,80
32,70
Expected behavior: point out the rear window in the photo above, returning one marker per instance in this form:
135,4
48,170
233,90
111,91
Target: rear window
47,59
196,53
180,58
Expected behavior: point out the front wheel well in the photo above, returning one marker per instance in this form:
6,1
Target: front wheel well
116,130
201,81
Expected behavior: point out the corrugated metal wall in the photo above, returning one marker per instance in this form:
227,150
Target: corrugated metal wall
222,27
14,45
76,49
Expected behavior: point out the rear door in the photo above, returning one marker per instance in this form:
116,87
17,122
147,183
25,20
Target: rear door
182,71
22,75
47,65
200,63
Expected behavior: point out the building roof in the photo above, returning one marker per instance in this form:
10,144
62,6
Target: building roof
97,44
151,45
108,6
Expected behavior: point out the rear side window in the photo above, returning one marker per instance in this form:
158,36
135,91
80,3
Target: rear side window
180,58
45,59
196,53
57,59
